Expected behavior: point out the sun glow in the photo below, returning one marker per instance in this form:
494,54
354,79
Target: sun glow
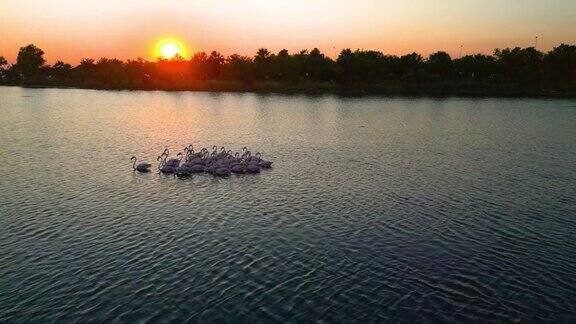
169,48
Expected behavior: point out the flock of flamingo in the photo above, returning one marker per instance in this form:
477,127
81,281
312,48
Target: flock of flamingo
218,162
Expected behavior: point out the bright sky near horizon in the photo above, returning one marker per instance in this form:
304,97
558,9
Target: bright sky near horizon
71,30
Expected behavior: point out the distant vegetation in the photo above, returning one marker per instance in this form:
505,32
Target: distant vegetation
514,72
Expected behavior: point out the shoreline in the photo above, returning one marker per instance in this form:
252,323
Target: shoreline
332,89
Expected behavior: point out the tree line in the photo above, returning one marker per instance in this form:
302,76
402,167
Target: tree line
507,71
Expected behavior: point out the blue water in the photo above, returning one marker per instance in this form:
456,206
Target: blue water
376,210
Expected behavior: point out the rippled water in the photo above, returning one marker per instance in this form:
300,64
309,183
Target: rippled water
411,210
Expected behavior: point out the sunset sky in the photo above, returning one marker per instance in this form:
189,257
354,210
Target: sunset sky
70,30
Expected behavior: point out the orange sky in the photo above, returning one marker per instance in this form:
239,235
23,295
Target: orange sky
71,30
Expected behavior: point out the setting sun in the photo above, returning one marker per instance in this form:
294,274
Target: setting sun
169,48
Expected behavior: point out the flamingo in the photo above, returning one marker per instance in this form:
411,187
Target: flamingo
222,171
199,157
212,157
262,163
238,168
182,171
222,152
175,162
190,154
219,162
252,168
209,167
195,158
168,169
171,162
265,164
141,167
194,164
194,155
162,167
250,161
196,168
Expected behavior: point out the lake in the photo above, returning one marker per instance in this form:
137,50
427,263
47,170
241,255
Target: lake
376,209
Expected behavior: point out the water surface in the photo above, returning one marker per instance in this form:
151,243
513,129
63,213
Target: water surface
376,210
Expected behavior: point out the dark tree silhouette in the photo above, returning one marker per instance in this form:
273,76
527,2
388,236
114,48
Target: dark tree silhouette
560,67
507,72
360,66
440,63
519,65
110,71
198,68
285,67
475,67
262,61
409,66
61,71
137,71
3,65
214,64
30,60
318,67
344,61
239,68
